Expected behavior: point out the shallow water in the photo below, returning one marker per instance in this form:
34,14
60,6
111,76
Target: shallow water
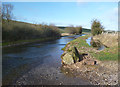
102,47
37,64
88,41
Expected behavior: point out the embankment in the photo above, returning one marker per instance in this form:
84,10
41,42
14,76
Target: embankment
17,33
100,67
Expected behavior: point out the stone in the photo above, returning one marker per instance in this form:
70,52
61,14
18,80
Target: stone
67,58
90,62
71,56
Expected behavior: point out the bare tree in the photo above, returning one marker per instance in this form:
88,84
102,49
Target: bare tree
7,11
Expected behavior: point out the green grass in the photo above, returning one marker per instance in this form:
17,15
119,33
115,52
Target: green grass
108,54
79,42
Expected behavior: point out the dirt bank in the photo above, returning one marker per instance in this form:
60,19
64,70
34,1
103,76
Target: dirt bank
109,40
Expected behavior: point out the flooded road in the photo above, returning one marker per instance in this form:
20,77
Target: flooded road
37,64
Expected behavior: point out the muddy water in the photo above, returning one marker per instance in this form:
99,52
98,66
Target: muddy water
37,64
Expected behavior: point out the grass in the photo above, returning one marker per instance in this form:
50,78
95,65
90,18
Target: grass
108,54
79,42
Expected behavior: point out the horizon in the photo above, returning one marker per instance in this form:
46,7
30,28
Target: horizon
67,13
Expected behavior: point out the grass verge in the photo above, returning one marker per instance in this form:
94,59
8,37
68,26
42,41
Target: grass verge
104,55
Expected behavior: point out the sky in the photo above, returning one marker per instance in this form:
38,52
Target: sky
67,13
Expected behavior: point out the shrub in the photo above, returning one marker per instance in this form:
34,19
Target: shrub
74,30
70,30
13,31
96,27
79,30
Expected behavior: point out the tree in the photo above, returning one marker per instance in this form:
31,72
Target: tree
7,11
79,30
71,29
96,27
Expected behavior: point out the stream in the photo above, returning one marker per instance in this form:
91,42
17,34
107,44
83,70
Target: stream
37,64
102,47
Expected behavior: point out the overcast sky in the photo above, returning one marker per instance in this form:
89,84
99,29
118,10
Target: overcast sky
68,13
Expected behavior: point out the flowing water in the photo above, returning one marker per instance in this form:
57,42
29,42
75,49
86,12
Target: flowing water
37,64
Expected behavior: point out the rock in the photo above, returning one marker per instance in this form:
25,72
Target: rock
67,58
71,56
89,62
70,49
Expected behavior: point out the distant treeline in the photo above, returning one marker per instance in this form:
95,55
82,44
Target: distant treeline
74,30
65,28
86,30
14,30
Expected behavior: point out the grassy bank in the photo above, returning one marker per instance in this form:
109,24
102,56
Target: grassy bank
110,53
14,32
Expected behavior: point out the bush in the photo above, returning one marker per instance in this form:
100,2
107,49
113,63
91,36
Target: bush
96,27
13,31
74,30
79,30
70,30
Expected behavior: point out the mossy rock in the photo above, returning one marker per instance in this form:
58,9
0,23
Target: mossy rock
71,56
70,49
67,58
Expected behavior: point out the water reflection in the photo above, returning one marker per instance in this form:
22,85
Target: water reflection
89,40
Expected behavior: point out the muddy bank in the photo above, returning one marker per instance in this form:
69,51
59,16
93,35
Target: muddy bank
104,73
96,71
